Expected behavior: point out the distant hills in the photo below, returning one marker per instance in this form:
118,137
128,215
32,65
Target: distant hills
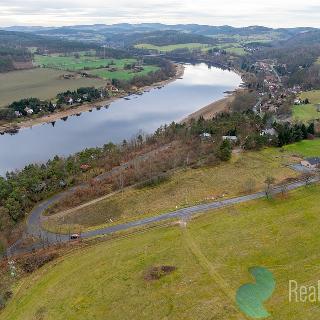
148,27
124,34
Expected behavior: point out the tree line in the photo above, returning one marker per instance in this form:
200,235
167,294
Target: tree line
22,107
20,190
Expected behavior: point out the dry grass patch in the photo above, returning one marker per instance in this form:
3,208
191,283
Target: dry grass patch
244,174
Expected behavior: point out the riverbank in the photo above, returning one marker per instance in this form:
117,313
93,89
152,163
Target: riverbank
14,127
209,111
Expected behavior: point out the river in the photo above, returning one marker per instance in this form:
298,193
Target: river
123,119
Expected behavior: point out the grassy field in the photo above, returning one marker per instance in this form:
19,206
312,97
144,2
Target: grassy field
307,112
122,74
40,83
83,62
306,148
171,47
93,65
270,36
245,173
237,50
232,48
212,257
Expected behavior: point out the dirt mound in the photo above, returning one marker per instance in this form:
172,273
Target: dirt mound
157,272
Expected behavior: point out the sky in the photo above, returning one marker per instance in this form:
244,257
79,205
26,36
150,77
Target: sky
271,13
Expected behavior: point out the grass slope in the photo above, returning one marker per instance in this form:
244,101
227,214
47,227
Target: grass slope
212,256
39,83
93,65
185,188
307,112
172,47
233,48
305,148
123,74
81,63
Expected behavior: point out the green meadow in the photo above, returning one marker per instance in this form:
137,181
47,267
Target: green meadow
209,260
122,74
307,112
71,63
305,148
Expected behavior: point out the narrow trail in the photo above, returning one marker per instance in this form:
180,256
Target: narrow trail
212,271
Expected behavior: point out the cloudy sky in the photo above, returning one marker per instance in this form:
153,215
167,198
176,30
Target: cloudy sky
274,13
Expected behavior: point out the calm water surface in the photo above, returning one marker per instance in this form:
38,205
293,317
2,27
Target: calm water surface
123,119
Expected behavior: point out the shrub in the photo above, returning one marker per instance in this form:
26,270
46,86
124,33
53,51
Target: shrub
34,262
225,151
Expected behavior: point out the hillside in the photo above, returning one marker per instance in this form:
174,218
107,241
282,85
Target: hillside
204,264
16,48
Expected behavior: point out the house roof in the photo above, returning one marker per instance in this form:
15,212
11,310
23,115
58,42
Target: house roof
314,161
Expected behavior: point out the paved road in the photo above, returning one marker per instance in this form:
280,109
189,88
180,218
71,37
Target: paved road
34,221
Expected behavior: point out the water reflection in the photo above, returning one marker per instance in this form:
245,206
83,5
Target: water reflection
120,120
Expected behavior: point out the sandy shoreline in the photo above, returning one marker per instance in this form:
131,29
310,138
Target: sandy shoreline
209,111
85,107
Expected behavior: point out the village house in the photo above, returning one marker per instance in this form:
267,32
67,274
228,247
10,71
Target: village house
230,138
311,163
205,136
138,68
28,110
112,88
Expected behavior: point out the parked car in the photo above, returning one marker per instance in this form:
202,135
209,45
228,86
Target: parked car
75,236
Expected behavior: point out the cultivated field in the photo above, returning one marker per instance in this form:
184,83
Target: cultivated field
244,174
40,83
211,255
309,111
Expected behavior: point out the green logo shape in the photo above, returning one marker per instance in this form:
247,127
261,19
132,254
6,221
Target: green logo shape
250,297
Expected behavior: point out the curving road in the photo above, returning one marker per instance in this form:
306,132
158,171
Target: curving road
35,229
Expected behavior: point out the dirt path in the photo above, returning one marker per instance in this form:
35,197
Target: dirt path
211,269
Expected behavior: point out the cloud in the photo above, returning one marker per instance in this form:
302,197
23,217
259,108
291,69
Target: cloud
234,12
